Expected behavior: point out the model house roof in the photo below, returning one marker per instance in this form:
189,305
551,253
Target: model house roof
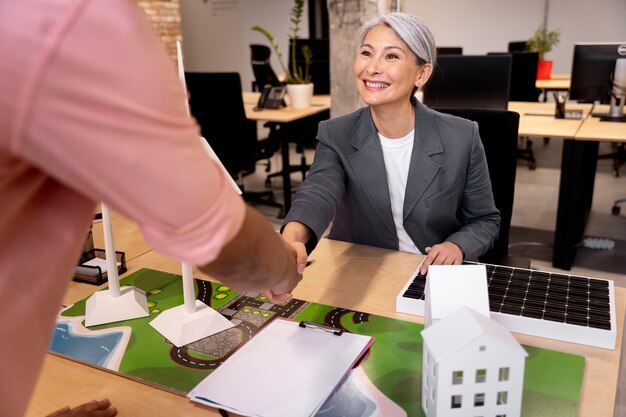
453,286
461,328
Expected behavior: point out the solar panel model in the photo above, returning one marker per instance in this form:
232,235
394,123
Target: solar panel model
564,307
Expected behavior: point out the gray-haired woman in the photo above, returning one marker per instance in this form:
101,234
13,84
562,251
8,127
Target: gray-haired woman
396,174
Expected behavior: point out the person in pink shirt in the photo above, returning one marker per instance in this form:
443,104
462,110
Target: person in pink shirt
91,110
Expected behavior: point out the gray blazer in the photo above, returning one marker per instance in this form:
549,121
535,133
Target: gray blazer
448,193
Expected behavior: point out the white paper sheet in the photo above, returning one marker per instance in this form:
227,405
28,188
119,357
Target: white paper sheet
102,263
284,371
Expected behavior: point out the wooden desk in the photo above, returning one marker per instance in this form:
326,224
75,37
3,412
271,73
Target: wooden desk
319,103
557,82
577,163
578,166
578,171
596,130
537,119
284,116
345,275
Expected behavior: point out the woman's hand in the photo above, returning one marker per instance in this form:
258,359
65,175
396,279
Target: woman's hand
301,255
446,253
278,294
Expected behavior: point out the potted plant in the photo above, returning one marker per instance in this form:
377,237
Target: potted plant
543,41
299,86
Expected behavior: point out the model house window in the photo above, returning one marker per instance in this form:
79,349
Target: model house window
482,348
433,394
503,374
501,415
481,375
479,400
456,401
457,377
502,397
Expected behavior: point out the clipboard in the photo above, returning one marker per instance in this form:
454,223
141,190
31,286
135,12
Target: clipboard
288,369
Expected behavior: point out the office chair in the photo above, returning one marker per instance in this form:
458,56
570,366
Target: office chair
618,155
263,72
469,82
449,50
498,133
305,129
523,79
303,132
265,75
216,102
517,46
616,206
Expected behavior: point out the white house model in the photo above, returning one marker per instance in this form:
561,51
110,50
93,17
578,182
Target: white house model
472,366
449,287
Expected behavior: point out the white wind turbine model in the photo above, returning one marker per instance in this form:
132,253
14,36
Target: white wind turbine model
192,320
114,304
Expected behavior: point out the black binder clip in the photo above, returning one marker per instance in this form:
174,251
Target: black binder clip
329,329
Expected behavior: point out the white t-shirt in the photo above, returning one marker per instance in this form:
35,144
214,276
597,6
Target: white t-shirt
397,156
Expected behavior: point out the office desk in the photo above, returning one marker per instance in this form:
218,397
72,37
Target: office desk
578,170
284,116
557,82
537,120
595,130
344,275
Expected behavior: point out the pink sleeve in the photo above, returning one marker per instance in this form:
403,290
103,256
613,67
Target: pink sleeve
107,117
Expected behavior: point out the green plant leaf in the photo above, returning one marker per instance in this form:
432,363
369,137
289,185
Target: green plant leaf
543,41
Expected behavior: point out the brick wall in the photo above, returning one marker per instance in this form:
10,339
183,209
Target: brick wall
164,16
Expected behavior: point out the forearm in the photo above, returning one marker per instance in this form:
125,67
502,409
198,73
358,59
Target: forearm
256,259
318,197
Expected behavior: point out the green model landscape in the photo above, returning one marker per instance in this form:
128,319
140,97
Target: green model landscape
552,380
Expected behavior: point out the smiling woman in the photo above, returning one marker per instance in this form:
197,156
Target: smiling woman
396,174
387,73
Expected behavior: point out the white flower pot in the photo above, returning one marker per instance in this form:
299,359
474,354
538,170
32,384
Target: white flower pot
300,95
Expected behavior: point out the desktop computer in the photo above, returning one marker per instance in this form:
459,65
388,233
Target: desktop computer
599,74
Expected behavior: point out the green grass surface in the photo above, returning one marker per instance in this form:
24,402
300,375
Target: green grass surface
552,380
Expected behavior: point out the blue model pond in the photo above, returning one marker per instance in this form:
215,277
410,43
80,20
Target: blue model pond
91,348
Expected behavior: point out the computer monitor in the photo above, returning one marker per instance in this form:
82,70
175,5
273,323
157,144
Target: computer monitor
469,82
599,74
